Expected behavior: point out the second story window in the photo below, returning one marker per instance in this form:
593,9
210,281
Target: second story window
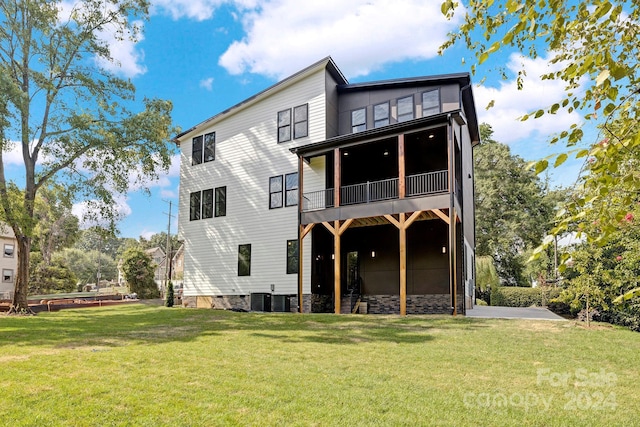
291,189
405,109
221,201
8,250
301,121
284,125
430,102
359,120
194,206
275,192
381,115
207,204
203,148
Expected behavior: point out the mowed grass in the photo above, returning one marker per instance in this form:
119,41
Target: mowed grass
141,365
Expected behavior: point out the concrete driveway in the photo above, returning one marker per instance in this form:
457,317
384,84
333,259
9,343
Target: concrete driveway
533,313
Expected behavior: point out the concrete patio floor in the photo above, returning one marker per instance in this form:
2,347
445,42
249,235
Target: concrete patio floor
533,313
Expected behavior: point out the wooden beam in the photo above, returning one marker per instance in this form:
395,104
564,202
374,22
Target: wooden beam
401,167
329,227
301,235
336,268
454,255
392,220
403,266
441,215
344,226
304,230
336,177
412,218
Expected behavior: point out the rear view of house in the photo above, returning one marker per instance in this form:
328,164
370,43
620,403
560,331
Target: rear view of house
341,196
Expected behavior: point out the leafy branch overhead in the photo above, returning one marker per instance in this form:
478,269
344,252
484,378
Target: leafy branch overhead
593,48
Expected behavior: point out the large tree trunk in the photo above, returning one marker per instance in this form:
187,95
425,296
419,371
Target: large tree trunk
20,304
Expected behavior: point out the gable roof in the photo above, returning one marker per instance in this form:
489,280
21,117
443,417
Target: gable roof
325,63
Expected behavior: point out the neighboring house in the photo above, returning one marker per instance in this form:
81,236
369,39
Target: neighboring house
8,261
177,266
397,236
158,257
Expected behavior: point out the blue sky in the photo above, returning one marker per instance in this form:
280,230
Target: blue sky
207,55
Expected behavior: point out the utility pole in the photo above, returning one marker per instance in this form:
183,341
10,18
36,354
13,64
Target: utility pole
167,258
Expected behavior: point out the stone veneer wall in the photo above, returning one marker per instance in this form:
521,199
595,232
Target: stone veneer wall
237,302
416,304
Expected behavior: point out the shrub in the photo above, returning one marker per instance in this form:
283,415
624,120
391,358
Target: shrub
169,298
522,297
138,271
480,302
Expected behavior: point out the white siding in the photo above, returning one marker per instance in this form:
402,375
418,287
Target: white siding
247,155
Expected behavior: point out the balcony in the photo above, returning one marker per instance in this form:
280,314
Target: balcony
374,191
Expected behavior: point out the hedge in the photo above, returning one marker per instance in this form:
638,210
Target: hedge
508,296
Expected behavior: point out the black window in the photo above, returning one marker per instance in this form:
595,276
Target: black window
221,201
7,275
194,206
381,115
244,260
196,150
275,192
291,189
301,121
284,125
405,109
210,147
430,102
359,120
207,204
292,256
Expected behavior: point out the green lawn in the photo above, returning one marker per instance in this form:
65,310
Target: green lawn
140,365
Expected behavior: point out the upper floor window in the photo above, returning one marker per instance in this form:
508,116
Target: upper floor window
291,189
284,125
203,148
194,206
221,201
275,192
8,250
207,204
301,121
430,102
381,115
405,109
359,120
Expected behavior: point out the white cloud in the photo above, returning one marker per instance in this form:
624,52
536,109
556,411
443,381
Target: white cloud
199,10
146,234
283,37
207,83
511,103
88,211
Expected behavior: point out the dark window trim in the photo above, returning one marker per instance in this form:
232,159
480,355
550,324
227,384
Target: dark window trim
290,264
209,147
413,108
439,101
220,207
306,120
289,125
206,201
196,150
355,126
387,118
244,265
281,191
287,189
193,214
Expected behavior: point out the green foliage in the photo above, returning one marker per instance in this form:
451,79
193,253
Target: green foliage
138,269
513,208
85,265
169,299
71,116
486,275
522,297
159,240
593,49
52,277
481,302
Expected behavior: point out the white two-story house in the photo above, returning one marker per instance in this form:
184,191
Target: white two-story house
346,197
8,261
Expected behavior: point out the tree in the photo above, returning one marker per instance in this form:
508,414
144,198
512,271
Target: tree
159,240
594,45
50,277
169,298
69,115
85,265
512,212
138,269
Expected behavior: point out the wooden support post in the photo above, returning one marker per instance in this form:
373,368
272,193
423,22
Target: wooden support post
336,177
336,267
403,266
301,234
401,168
